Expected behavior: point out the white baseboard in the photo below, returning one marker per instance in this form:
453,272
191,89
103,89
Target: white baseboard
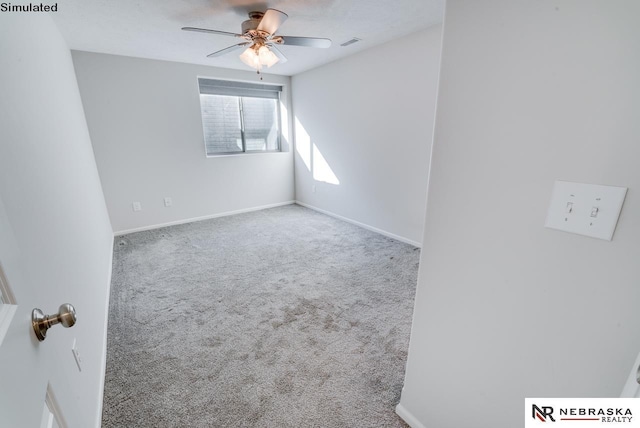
408,417
363,225
207,217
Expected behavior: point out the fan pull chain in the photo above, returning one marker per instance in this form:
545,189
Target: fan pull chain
259,74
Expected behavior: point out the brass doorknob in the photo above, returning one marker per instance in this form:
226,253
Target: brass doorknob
41,323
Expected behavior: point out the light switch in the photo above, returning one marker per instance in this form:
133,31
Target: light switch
586,209
569,207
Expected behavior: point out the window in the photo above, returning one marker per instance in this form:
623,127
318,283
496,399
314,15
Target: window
239,117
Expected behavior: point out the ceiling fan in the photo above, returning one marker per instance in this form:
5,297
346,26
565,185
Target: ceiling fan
260,39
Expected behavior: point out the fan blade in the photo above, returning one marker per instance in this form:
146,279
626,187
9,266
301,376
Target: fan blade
278,53
311,42
227,50
272,20
205,30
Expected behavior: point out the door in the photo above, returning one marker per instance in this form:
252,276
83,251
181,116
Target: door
55,236
25,362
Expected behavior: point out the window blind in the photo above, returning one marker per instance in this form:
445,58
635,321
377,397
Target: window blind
238,89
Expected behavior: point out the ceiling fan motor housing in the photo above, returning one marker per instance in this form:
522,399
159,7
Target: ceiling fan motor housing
252,23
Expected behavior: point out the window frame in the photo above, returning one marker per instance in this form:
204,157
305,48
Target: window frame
229,86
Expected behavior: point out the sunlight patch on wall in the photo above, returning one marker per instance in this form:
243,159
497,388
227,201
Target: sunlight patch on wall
303,144
316,164
321,169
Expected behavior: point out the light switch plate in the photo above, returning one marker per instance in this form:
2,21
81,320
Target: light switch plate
586,209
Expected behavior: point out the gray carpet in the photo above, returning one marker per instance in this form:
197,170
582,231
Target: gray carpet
276,318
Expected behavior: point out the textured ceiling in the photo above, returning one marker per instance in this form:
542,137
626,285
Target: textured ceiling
151,28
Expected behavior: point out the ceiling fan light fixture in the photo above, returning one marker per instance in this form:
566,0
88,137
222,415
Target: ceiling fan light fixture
267,57
250,58
258,58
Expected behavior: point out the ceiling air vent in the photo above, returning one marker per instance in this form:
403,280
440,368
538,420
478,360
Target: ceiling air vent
350,42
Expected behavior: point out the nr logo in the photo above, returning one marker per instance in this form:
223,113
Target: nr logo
542,413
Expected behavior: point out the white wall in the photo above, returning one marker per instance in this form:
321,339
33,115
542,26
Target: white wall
55,237
370,116
146,129
530,92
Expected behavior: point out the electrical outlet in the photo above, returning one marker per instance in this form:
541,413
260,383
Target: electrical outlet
313,189
137,206
76,355
168,202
